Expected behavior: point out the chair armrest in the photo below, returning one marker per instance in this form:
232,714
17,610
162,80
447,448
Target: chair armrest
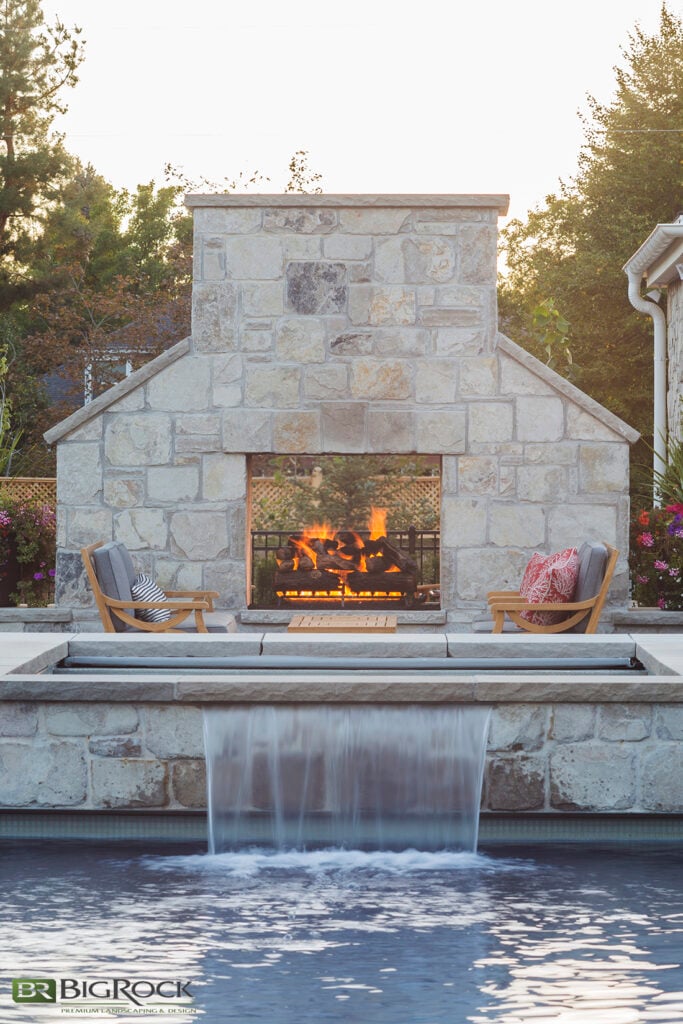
520,605
177,606
202,595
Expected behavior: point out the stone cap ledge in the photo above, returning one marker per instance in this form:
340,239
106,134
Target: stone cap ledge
498,202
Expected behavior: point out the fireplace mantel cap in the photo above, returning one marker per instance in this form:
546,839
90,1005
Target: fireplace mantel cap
368,200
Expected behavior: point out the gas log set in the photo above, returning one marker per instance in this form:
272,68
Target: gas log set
341,566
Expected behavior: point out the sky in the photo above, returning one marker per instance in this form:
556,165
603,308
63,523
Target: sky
385,96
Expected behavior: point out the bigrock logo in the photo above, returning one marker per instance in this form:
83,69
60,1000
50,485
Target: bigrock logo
79,991
34,990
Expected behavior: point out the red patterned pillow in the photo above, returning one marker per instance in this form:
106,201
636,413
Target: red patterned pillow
549,579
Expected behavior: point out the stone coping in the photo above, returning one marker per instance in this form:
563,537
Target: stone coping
372,200
16,615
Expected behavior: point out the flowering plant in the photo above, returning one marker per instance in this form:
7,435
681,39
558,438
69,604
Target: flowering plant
28,535
657,557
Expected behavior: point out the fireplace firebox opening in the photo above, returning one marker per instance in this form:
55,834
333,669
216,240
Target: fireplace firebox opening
344,531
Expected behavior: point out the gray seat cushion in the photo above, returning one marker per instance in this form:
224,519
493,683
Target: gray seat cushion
115,574
593,558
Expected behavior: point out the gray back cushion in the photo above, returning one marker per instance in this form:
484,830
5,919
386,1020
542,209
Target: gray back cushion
593,558
115,574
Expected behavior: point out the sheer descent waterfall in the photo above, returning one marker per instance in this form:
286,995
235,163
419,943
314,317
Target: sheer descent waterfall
350,776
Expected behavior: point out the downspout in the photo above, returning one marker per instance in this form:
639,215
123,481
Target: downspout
660,382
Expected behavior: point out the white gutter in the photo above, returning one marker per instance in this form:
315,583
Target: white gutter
660,382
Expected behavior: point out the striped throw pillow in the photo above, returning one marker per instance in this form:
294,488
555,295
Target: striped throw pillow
145,589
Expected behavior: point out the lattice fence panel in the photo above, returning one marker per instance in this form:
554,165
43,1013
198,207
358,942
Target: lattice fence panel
42,488
416,492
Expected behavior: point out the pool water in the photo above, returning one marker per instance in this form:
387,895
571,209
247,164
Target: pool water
554,934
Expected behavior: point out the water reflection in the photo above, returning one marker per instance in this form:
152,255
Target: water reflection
568,936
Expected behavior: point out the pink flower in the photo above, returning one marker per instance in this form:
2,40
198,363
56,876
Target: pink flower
674,572
661,603
677,509
646,540
661,566
643,579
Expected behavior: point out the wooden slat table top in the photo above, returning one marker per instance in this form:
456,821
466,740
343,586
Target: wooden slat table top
342,624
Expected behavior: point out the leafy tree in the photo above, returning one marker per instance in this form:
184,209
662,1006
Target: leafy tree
574,246
37,63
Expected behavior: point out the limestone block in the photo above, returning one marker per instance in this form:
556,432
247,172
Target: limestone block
214,310
137,439
141,528
479,375
406,342
436,381
391,430
539,418
124,491
133,782
85,526
416,260
461,296
478,254
379,306
224,220
668,722
347,247
18,719
297,431
662,779
344,426
174,575
212,258
42,774
226,379
381,379
197,432
625,722
572,722
361,272
564,453
517,526
172,483
229,579
542,483
352,343
438,316
237,531
247,430
172,732
316,287
604,467
303,221
328,381
581,426
516,784
79,474
570,525
300,341
449,474
489,422
263,298
253,341
463,522
181,387
479,570
584,777
515,379
517,727
302,247
188,783
441,431
272,386
253,258
71,586
224,477
199,535
132,402
456,341
115,746
386,221
90,431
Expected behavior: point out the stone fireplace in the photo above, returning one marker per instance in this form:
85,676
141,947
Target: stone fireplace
349,325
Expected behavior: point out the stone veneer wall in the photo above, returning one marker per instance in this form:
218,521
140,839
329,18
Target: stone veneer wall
327,324
557,757
675,356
